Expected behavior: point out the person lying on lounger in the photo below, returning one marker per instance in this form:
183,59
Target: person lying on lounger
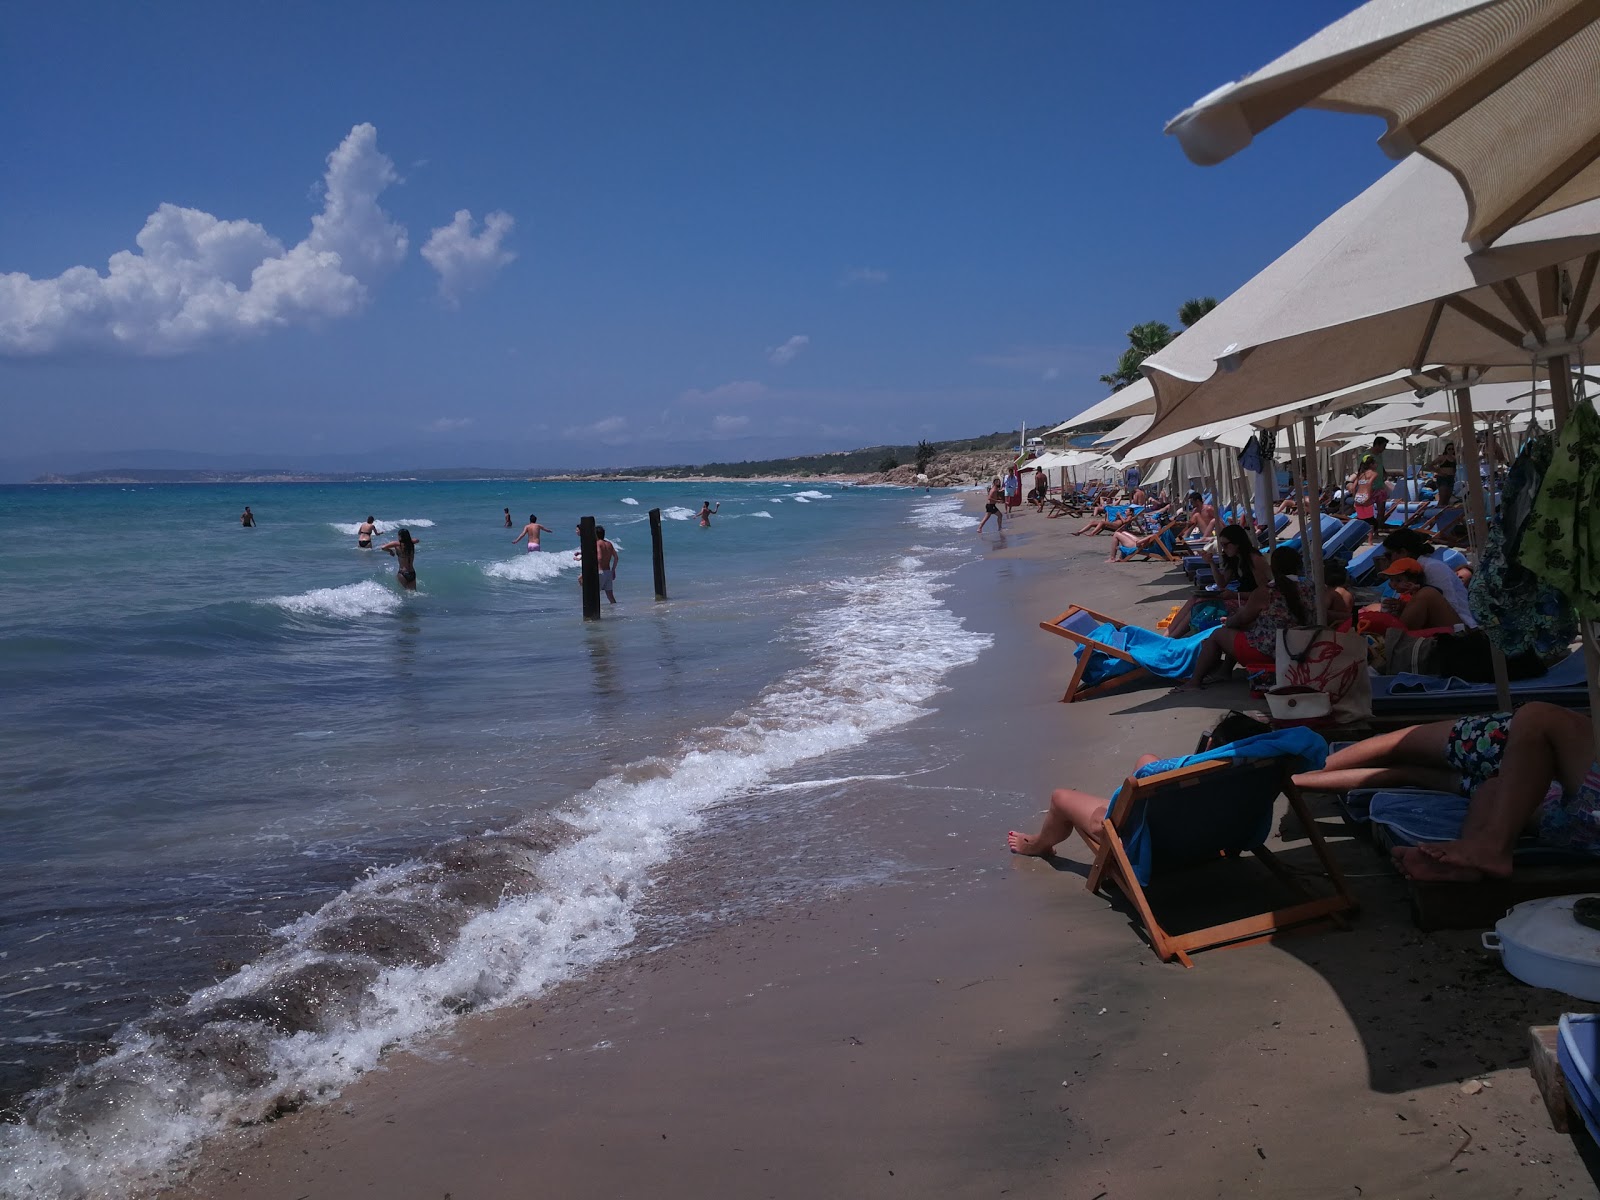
1533,771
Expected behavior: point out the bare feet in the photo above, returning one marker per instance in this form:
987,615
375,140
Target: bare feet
1188,685
1021,843
1469,857
1415,864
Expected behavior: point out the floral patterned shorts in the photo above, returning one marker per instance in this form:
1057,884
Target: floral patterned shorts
1475,747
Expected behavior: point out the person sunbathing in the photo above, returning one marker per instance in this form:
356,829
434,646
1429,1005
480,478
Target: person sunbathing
1069,810
1532,771
1127,542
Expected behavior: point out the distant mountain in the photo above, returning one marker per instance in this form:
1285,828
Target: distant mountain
181,466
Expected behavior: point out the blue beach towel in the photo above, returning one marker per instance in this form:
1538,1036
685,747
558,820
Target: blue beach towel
1163,657
1309,747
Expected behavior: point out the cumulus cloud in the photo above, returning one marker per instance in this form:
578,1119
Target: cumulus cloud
863,277
196,279
740,391
447,424
729,424
466,261
780,355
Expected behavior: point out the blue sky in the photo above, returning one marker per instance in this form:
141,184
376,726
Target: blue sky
696,231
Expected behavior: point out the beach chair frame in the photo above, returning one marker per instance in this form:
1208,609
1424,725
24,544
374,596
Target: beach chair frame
1154,545
1074,691
1112,865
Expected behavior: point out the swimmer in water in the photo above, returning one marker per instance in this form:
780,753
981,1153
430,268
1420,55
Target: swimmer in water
247,518
364,532
404,549
531,531
705,513
508,518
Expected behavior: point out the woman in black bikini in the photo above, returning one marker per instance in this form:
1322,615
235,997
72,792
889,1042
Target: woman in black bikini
364,533
404,549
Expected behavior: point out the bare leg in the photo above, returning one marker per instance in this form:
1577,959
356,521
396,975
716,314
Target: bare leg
1212,653
1415,746
1069,810
1544,743
1120,539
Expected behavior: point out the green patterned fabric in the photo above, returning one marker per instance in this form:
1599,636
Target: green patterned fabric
1562,543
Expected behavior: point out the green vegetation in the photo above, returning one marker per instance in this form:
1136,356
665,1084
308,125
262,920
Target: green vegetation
1145,339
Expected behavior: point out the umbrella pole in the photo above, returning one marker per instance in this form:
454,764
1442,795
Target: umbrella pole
1478,523
1313,528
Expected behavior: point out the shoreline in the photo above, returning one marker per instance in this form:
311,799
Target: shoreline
966,1022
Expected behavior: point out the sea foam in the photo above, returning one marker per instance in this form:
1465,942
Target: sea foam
679,513
350,528
532,568
946,514
482,922
347,602
629,500
813,495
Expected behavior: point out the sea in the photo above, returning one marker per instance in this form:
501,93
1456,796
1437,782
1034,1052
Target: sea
264,815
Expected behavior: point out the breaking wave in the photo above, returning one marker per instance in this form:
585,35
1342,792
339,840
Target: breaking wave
532,568
943,515
679,513
349,528
350,601
629,500
478,923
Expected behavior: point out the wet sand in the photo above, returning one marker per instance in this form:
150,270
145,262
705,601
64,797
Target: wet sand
964,1023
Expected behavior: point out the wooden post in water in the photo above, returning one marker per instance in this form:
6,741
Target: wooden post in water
590,566
658,558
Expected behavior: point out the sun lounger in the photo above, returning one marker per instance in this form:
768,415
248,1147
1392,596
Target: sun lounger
1330,526
1345,541
1111,653
1436,695
1190,812
1363,563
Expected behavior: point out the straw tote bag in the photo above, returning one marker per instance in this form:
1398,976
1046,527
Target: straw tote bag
1331,662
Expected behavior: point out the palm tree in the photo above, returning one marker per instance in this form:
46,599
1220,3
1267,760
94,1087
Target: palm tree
1143,341
1191,311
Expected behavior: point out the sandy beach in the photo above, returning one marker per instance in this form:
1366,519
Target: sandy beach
966,1023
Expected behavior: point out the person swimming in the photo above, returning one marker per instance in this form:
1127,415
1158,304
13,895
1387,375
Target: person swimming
364,533
705,513
531,531
404,549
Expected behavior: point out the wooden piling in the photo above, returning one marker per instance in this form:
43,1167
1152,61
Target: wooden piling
658,558
590,565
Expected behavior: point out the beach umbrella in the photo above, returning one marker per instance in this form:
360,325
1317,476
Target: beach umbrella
1502,95
1125,432
1132,400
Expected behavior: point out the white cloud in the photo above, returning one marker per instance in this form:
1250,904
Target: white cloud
606,429
740,391
863,277
781,355
447,424
1051,373
196,279
727,424
466,261
1047,362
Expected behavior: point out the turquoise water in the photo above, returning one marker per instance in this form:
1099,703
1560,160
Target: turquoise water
263,814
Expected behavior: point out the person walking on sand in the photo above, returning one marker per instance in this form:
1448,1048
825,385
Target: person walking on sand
991,506
247,518
404,549
705,513
531,531
508,518
1012,490
1041,488
364,532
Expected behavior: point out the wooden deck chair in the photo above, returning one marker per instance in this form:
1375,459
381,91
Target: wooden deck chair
1196,814
1078,624
1160,544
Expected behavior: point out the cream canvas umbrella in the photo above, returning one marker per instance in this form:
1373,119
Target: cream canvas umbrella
1136,398
1383,286
1502,95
